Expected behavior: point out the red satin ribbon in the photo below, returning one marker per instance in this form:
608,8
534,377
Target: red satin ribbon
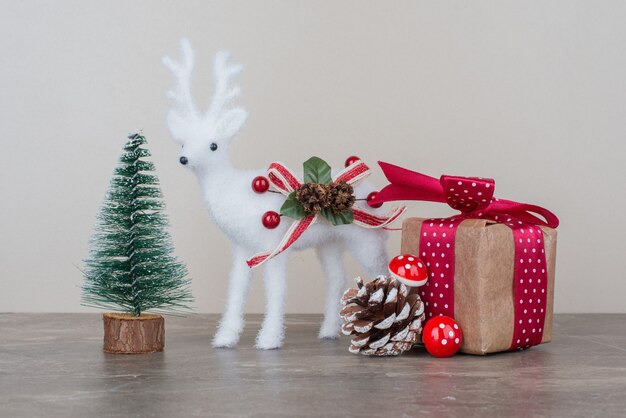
283,180
473,197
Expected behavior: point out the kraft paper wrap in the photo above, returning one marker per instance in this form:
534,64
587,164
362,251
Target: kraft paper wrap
483,281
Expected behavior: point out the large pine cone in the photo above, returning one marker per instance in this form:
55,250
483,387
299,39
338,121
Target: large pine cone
340,197
384,319
313,196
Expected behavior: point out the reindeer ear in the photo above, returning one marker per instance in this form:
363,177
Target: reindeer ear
231,122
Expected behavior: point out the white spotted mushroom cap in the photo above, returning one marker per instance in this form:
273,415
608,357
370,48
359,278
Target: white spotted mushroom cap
409,269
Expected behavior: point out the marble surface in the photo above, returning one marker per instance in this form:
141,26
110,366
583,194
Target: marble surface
51,365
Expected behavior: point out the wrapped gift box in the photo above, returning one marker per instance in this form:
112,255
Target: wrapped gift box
483,283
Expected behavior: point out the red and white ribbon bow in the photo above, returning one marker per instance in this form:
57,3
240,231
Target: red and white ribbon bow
283,180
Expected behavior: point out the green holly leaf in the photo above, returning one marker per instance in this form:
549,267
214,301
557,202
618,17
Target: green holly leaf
292,208
343,218
316,170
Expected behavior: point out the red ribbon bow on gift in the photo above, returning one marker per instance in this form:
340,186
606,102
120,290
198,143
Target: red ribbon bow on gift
283,180
473,196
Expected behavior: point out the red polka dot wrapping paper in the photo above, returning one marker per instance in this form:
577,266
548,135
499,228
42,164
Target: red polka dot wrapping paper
472,279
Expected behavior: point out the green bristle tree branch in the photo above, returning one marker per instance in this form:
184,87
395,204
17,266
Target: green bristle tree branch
131,266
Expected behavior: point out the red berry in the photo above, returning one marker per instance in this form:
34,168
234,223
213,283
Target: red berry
442,336
371,197
271,219
351,160
260,184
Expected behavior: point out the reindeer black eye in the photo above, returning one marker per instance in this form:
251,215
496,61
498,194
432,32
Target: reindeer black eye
213,146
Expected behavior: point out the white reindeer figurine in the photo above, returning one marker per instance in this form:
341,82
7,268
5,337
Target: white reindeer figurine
237,210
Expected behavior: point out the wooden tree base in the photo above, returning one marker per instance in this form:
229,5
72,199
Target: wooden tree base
127,334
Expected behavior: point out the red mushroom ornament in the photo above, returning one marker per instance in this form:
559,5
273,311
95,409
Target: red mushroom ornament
442,336
409,269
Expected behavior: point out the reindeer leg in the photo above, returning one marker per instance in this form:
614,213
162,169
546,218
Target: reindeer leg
232,321
330,256
371,253
275,277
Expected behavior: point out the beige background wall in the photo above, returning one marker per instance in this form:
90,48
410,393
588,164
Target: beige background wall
530,93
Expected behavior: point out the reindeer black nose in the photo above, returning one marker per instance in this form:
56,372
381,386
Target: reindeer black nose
183,160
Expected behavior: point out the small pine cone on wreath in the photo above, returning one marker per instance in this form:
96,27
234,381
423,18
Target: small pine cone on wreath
313,197
340,197
383,317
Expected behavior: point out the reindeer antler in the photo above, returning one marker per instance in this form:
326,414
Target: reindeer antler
181,93
224,92
184,116
223,73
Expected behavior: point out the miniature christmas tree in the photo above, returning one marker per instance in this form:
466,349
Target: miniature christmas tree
131,266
